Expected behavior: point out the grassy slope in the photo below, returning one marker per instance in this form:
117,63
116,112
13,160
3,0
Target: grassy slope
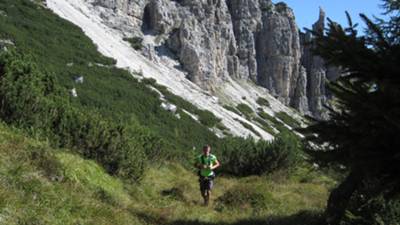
40,185
60,47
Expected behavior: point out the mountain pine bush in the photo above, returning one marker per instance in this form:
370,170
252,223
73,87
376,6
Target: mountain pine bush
245,157
32,100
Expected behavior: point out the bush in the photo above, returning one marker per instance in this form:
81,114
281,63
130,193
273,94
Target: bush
32,100
250,127
263,102
264,125
246,196
287,119
136,42
232,109
277,124
207,118
244,157
245,110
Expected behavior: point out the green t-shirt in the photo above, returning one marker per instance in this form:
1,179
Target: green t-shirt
204,160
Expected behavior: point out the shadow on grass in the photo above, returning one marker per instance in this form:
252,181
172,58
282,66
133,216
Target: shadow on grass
301,218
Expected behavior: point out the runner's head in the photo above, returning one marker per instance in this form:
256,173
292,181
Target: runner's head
206,150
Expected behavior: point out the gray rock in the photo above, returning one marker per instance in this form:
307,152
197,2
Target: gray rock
241,39
317,72
201,35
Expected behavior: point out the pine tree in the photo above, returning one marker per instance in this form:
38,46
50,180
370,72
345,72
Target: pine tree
363,132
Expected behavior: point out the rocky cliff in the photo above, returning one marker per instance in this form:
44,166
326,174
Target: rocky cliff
215,40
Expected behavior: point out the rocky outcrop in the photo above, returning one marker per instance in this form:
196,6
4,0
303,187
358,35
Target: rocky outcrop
241,39
317,71
200,34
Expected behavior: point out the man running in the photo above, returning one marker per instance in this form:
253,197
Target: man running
206,163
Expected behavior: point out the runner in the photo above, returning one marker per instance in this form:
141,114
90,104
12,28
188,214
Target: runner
206,163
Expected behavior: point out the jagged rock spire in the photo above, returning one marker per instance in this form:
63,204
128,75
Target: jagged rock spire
319,26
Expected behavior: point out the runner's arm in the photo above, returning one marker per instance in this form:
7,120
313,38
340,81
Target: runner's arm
216,165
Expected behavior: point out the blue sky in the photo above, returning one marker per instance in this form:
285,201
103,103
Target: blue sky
306,11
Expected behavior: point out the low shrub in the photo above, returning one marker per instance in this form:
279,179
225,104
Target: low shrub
33,100
244,157
207,118
250,127
263,102
287,119
246,196
232,109
245,110
136,42
264,125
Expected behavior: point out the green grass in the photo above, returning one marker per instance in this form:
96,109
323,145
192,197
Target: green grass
52,186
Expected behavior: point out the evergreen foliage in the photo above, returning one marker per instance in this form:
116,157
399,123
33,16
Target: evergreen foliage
263,102
246,157
245,110
136,42
33,100
287,119
364,128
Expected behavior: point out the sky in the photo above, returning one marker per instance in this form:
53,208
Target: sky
307,11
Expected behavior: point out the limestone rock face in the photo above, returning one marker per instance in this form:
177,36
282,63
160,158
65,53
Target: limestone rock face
278,52
200,33
268,45
246,22
215,40
317,72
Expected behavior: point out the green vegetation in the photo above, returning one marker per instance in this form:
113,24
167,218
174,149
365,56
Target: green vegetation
109,156
33,100
277,124
265,125
288,119
53,186
263,102
232,109
246,196
40,185
250,127
62,51
245,110
243,158
136,42
363,132
206,117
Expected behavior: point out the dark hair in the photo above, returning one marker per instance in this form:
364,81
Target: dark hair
206,146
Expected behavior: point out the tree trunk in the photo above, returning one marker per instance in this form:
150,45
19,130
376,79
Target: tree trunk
339,198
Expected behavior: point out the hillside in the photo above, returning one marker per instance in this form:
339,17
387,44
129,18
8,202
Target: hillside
83,141
41,185
165,71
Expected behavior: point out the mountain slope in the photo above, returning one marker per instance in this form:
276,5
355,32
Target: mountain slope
110,43
60,48
215,41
